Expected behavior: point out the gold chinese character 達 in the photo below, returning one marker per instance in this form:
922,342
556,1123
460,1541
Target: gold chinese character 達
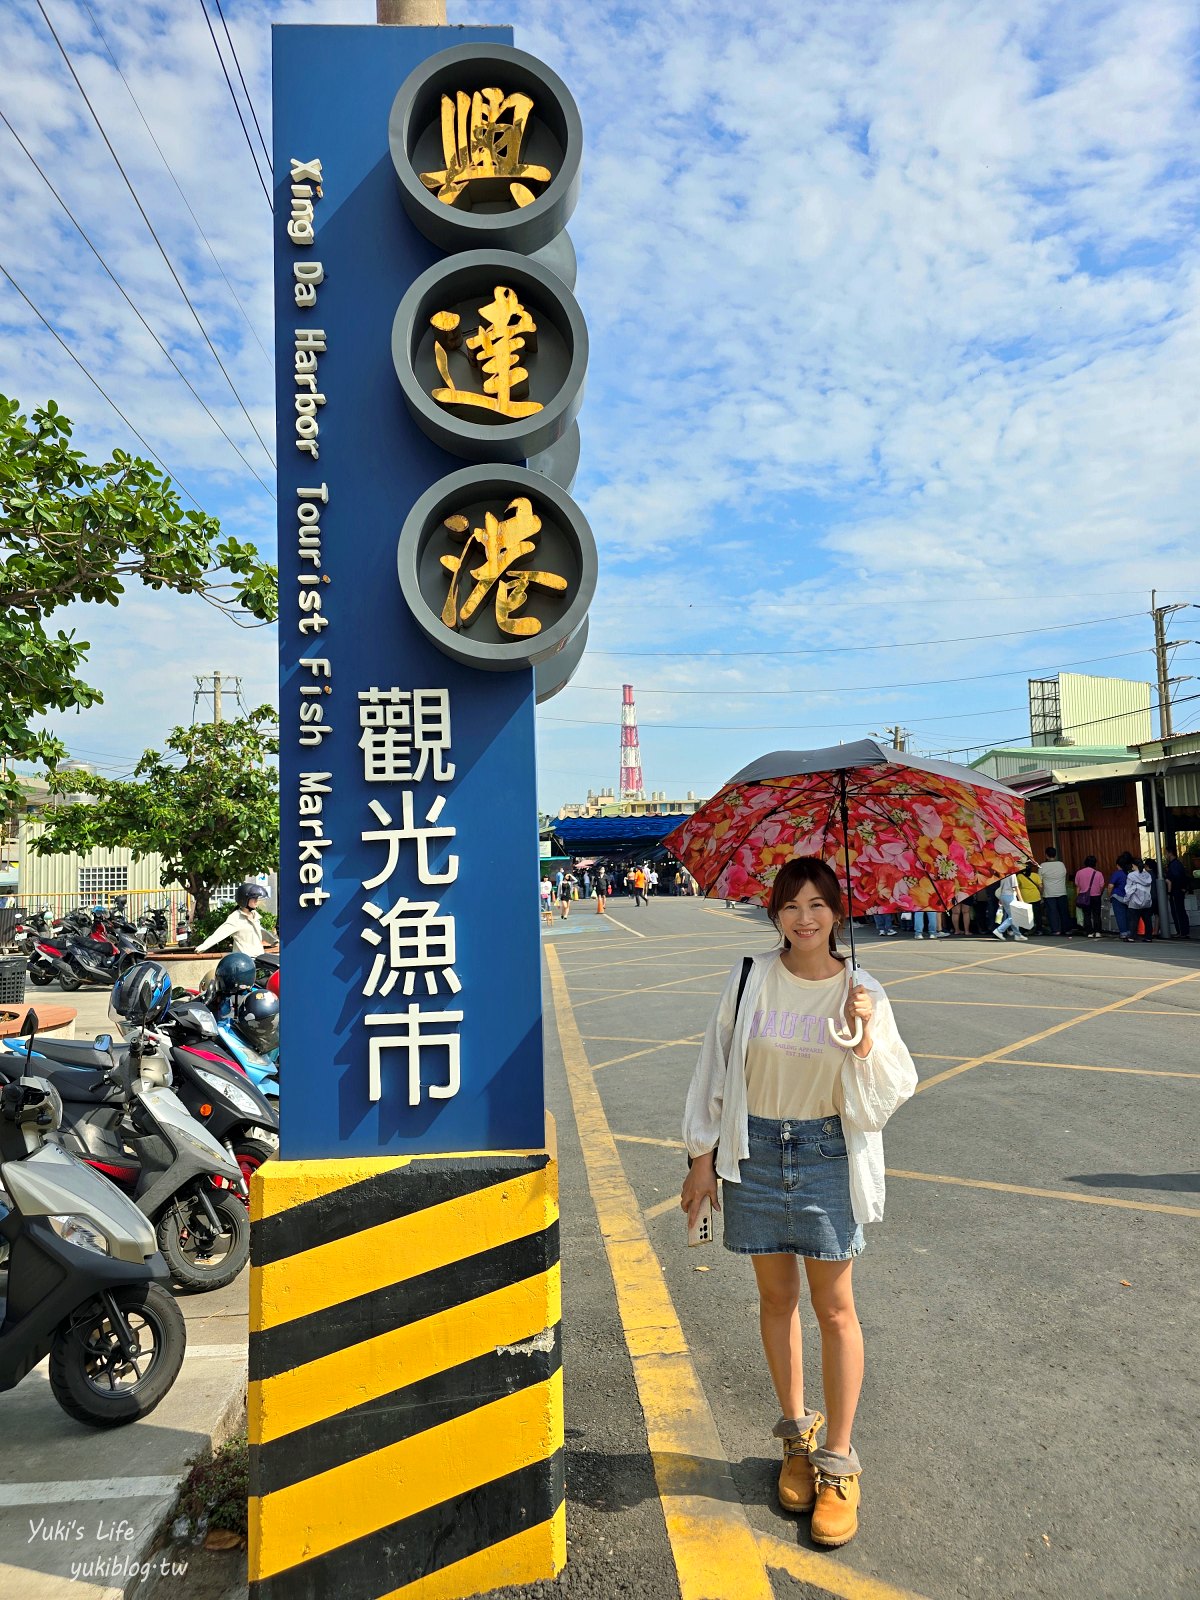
481,146
506,335
497,545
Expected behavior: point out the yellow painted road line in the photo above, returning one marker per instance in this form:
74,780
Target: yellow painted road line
712,1543
987,1005
637,1038
626,926
806,1566
661,1207
1047,1194
1078,1066
959,966
658,988
928,1055
633,1055
1047,1033
1173,1011
639,1138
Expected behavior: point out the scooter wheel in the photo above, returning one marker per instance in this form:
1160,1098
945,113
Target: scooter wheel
199,1260
40,977
95,1381
250,1155
69,984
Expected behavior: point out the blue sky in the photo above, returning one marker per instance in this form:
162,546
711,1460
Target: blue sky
894,321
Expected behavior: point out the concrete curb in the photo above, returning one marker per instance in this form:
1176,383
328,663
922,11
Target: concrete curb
152,1543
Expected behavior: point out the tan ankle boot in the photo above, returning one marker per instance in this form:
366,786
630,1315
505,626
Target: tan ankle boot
835,1515
797,1485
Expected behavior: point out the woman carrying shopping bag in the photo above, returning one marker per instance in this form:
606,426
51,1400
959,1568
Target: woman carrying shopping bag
1009,896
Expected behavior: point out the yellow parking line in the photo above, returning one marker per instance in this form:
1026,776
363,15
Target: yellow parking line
633,1055
661,1208
712,1543
961,966
1046,1194
1046,1033
1078,1066
806,1566
655,988
988,1005
638,1138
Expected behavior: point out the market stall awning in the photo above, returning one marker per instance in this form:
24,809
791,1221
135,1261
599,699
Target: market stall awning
605,837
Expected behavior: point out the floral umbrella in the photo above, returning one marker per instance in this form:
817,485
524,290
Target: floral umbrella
902,832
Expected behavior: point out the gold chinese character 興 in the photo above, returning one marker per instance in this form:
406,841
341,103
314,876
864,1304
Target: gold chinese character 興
496,546
506,334
481,146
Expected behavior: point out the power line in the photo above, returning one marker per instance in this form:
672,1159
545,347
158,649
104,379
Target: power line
242,80
849,649
732,692
170,268
97,384
238,109
179,187
121,288
604,722
1116,716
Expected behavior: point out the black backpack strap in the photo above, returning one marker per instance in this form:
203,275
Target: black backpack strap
747,963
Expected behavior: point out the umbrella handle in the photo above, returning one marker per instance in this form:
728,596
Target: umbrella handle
848,1037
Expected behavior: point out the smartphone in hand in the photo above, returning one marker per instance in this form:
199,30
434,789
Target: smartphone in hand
701,1231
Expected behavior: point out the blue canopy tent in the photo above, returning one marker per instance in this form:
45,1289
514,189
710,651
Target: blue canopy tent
615,838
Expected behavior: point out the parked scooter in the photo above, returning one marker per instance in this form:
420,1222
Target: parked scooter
80,1278
143,1138
214,1088
84,953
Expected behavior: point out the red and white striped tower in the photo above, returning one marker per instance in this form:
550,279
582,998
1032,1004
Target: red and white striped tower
630,787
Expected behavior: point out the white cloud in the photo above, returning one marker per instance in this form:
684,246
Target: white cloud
893,307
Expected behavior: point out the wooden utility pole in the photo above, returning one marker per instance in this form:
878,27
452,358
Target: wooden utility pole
411,13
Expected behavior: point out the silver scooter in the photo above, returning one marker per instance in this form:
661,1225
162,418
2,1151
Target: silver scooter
81,1279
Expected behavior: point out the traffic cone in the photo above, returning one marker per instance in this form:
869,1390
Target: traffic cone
599,905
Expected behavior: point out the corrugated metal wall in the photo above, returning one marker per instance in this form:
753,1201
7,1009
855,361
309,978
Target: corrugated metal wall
59,875
1104,710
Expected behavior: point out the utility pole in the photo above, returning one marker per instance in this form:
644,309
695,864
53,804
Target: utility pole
1162,660
215,685
898,736
411,13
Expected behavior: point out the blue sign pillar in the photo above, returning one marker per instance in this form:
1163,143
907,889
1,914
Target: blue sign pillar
405,1358
406,779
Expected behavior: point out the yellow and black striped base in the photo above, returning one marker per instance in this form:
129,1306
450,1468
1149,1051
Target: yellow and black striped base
406,1414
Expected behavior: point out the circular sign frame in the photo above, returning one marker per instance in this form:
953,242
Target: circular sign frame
502,484
474,275
417,108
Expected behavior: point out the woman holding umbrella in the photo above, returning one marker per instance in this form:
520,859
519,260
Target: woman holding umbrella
786,1105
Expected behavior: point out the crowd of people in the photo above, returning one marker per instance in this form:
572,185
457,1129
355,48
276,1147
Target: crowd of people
1045,899
598,881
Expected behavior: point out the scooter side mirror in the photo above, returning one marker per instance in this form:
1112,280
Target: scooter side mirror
103,1042
30,1025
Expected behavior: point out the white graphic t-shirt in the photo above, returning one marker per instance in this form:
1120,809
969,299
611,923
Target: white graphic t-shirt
792,1063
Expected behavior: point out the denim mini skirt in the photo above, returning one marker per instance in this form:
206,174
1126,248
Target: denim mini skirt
794,1197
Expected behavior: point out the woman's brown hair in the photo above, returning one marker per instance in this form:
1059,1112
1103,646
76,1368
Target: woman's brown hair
792,878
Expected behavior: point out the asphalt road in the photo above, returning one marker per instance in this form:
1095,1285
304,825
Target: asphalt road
1030,1302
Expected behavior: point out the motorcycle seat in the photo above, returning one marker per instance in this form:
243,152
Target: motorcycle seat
75,1086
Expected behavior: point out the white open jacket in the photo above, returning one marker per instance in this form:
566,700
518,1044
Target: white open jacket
872,1087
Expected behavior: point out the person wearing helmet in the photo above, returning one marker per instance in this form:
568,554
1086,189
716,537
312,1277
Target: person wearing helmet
242,926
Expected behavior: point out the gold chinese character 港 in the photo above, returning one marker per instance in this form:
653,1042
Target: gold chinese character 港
481,145
497,545
506,332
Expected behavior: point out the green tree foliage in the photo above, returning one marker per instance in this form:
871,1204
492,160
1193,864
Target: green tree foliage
209,805
73,530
